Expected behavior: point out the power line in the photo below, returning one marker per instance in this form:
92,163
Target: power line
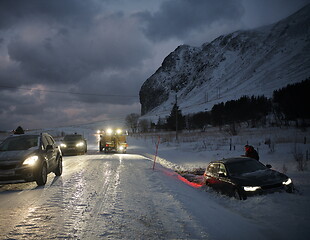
67,92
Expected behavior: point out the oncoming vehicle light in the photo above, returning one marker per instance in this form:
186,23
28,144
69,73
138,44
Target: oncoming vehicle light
121,148
250,189
119,131
109,131
80,144
63,145
287,182
31,160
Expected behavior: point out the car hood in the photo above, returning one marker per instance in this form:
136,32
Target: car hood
13,156
260,178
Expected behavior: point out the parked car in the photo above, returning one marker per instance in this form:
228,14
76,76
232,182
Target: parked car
73,144
29,158
242,177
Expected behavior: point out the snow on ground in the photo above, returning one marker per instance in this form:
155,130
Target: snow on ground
155,204
285,215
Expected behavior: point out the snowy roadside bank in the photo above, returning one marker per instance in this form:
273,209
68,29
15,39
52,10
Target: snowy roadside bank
288,215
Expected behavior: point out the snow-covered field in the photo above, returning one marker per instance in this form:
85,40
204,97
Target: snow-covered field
285,216
120,196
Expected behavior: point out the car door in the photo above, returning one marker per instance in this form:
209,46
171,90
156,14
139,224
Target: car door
211,175
225,185
51,152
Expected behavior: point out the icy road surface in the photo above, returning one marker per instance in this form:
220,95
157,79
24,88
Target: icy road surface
116,196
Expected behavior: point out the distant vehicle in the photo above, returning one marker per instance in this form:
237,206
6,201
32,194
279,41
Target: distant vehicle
73,144
112,140
242,177
29,158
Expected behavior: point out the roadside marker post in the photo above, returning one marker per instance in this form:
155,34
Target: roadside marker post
158,141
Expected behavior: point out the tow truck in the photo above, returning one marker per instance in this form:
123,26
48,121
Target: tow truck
112,140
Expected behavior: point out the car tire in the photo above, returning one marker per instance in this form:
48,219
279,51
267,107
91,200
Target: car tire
42,175
237,195
58,170
290,189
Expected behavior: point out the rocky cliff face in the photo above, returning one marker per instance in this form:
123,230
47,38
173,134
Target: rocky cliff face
252,62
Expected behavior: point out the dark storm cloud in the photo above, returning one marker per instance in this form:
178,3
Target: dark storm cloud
177,18
65,54
73,12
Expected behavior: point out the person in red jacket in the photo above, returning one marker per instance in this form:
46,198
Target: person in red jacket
251,152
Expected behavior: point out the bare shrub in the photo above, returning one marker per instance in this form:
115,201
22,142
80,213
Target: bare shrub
300,160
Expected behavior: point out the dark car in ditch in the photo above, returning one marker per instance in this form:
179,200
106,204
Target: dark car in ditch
73,144
242,177
29,157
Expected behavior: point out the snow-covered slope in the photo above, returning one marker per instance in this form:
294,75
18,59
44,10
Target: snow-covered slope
251,62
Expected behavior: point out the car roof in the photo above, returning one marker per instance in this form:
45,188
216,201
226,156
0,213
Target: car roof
30,134
232,160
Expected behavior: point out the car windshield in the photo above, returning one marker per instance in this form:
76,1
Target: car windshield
242,167
18,143
73,138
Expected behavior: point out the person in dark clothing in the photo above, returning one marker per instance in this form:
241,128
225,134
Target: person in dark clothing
19,130
251,152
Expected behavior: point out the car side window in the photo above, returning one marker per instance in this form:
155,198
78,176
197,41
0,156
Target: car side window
50,140
213,168
222,169
44,142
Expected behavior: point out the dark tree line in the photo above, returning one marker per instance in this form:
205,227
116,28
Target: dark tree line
293,101
289,103
246,109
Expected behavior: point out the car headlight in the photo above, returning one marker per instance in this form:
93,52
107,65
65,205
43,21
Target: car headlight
287,182
251,189
121,148
118,131
31,160
80,144
63,145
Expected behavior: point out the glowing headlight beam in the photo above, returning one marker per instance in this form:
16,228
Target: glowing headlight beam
80,144
31,160
109,131
287,182
250,189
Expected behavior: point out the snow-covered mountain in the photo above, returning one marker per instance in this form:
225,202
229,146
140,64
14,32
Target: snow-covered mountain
250,62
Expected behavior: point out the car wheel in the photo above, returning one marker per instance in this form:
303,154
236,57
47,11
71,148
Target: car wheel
58,170
289,189
237,195
42,175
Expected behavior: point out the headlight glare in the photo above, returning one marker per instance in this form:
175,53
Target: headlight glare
251,189
287,182
80,144
63,145
31,160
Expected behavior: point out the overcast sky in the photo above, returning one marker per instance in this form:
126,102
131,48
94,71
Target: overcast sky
70,62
